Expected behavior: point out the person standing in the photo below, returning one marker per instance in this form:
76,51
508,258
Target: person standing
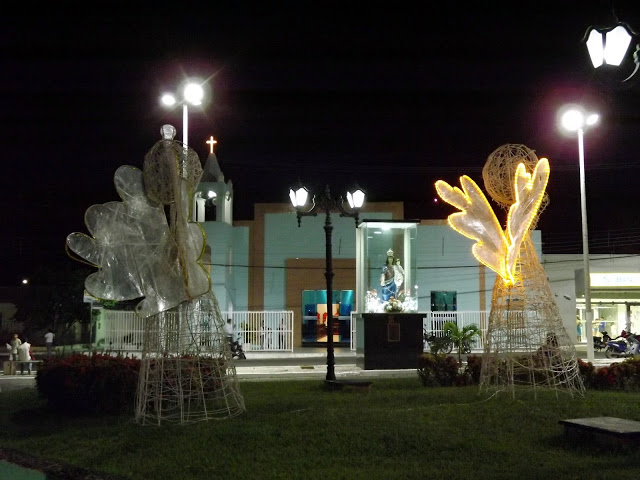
48,339
579,329
24,355
228,329
282,339
15,343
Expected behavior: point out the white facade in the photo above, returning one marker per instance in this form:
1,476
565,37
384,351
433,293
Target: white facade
615,292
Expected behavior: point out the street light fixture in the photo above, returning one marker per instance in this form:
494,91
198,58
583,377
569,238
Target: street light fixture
327,203
576,120
193,94
609,45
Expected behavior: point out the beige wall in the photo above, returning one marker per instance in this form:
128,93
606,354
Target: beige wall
302,274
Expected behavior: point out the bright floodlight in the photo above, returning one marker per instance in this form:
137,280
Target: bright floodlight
168,100
356,198
211,194
298,197
573,120
592,119
193,93
25,281
608,47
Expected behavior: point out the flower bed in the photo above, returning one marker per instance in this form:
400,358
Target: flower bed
617,376
89,384
438,370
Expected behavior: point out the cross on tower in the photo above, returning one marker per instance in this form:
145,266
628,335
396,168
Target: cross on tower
211,142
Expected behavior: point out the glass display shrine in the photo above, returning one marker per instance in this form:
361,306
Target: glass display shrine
314,319
386,266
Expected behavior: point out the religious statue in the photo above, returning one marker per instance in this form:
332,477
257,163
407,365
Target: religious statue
387,278
398,276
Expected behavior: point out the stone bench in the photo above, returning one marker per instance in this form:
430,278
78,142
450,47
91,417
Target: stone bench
11,367
609,431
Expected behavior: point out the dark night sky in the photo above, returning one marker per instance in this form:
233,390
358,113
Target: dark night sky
394,98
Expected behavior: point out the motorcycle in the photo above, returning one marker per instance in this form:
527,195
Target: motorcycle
236,349
621,348
600,343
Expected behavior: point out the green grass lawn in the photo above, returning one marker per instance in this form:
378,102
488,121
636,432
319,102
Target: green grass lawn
296,430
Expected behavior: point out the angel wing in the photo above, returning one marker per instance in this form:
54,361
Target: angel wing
477,221
138,256
529,190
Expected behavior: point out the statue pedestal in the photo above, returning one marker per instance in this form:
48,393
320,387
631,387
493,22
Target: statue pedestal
386,341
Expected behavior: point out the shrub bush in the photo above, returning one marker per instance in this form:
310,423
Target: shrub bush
442,371
473,368
628,374
437,370
617,376
89,384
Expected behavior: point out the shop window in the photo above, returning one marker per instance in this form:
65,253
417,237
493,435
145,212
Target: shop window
314,316
443,302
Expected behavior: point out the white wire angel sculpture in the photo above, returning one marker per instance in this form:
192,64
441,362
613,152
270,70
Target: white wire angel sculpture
523,312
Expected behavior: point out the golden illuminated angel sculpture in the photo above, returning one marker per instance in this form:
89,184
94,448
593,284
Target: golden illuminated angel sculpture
186,374
526,342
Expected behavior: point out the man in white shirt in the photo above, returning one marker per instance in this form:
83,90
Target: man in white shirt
24,355
48,338
228,328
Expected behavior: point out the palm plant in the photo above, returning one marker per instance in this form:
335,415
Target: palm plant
461,337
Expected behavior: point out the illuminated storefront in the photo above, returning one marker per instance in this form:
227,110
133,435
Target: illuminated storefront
314,320
615,300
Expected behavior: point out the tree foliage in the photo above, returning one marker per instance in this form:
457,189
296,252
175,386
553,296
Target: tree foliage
54,298
460,336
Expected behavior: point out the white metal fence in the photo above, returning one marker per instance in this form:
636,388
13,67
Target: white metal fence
269,331
433,321
266,331
257,331
123,331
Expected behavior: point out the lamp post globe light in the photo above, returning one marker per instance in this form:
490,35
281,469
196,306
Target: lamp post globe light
193,94
574,119
325,202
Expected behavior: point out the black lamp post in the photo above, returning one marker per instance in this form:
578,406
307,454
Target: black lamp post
326,203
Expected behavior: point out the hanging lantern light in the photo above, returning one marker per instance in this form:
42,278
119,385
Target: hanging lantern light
609,46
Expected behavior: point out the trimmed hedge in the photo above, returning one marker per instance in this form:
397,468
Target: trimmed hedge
89,384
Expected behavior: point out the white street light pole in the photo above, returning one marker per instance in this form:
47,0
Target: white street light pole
185,125
574,120
193,94
585,249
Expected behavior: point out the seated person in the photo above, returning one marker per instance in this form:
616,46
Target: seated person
24,355
550,349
